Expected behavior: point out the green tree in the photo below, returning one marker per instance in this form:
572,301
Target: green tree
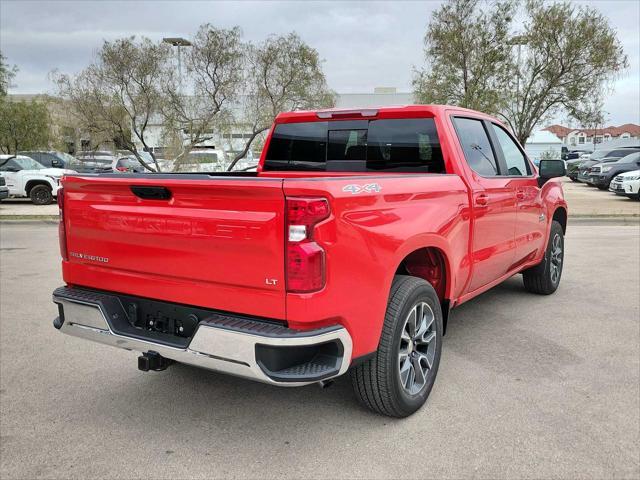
7,74
467,56
565,55
23,126
571,54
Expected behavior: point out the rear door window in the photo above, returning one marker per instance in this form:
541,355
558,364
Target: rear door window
476,146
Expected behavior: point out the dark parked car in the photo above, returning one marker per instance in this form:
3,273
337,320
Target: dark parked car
573,168
50,159
94,162
601,175
601,156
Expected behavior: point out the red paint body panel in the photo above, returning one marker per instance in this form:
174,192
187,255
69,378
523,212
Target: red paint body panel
219,242
212,245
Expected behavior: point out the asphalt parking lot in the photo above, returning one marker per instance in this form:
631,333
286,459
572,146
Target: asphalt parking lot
528,387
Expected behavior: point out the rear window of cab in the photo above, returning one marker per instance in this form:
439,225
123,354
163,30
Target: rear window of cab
395,145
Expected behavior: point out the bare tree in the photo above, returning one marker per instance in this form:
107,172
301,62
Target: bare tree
121,92
198,103
283,73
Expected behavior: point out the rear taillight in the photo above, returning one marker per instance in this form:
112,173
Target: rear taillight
305,262
122,169
62,234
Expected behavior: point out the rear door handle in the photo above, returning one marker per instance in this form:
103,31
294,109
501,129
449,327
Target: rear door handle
482,200
151,192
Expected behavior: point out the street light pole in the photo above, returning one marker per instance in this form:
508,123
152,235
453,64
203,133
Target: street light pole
518,40
178,42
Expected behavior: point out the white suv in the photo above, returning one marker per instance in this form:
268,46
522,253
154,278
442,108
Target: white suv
27,178
631,184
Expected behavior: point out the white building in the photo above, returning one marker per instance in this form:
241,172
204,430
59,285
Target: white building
589,138
543,144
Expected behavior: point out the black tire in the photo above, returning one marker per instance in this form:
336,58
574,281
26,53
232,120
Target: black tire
574,180
377,382
603,187
41,195
541,279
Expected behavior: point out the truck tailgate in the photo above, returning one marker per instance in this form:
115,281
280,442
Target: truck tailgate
217,242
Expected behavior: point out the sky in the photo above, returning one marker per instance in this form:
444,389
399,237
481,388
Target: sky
363,44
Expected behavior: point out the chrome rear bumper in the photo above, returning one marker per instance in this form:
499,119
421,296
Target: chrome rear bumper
225,344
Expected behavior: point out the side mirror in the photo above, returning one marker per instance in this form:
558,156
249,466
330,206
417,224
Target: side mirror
550,169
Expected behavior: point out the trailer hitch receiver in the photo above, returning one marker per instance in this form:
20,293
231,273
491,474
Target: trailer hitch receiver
153,361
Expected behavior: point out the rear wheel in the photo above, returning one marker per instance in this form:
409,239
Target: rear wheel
41,195
398,379
544,278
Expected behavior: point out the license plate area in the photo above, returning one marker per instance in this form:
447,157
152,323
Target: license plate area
160,317
167,323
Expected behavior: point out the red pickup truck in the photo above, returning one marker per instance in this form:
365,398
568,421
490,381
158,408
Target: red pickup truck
344,251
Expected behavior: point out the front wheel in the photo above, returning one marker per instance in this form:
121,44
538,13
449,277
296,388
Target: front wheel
398,379
544,278
41,195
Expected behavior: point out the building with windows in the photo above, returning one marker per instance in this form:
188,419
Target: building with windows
575,138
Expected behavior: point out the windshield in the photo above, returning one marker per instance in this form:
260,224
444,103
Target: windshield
65,157
27,163
128,162
633,158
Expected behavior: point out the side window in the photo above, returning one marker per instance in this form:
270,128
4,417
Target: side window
10,166
298,146
516,162
476,146
410,145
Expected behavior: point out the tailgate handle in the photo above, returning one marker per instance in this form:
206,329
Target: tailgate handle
151,193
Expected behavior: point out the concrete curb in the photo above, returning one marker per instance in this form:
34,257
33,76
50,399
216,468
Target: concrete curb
604,220
29,218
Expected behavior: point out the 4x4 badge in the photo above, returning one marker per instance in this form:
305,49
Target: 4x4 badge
354,188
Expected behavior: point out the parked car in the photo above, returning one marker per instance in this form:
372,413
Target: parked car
94,162
27,178
50,159
573,168
572,154
202,161
601,174
346,250
128,164
627,184
613,156
4,190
